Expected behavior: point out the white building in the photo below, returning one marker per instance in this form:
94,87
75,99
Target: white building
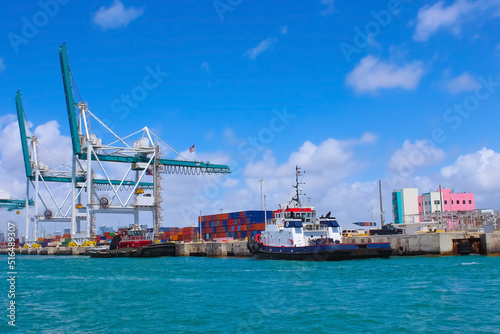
405,205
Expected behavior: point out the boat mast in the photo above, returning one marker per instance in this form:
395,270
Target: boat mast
296,186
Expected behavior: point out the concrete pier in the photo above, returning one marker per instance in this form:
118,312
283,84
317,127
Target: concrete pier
435,243
453,243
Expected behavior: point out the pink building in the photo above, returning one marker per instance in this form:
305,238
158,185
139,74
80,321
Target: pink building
431,202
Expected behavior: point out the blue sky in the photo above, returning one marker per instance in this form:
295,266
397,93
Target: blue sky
370,88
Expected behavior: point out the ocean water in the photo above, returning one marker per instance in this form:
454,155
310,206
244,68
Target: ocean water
231,295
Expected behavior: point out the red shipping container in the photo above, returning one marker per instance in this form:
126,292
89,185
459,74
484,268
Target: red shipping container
258,227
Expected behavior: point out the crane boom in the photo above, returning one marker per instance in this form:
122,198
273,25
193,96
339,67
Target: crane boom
22,131
70,100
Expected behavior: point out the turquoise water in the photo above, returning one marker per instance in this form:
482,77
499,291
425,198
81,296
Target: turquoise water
228,295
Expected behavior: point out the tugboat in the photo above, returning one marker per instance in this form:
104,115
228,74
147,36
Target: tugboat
133,242
295,233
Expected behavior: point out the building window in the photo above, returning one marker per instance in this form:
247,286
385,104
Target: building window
419,204
451,201
445,202
470,201
463,201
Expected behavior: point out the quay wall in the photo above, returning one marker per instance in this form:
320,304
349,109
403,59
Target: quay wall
431,243
402,244
213,249
490,243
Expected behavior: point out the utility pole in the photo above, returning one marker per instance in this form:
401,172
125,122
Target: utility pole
381,210
261,181
265,211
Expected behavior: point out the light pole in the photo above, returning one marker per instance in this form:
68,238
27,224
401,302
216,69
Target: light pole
261,181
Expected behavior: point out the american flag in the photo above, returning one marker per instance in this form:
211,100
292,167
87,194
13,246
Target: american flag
191,149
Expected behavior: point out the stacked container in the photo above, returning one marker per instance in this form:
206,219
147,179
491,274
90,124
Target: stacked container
236,225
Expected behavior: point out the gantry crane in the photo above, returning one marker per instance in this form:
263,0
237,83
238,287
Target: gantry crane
143,157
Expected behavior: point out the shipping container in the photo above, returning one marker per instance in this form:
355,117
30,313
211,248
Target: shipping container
258,227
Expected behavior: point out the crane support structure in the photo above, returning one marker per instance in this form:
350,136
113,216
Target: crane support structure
38,174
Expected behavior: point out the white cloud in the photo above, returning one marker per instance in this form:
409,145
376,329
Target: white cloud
475,171
372,74
414,155
2,65
463,83
263,46
12,173
330,7
116,16
284,29
326,166
431,19
368,138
